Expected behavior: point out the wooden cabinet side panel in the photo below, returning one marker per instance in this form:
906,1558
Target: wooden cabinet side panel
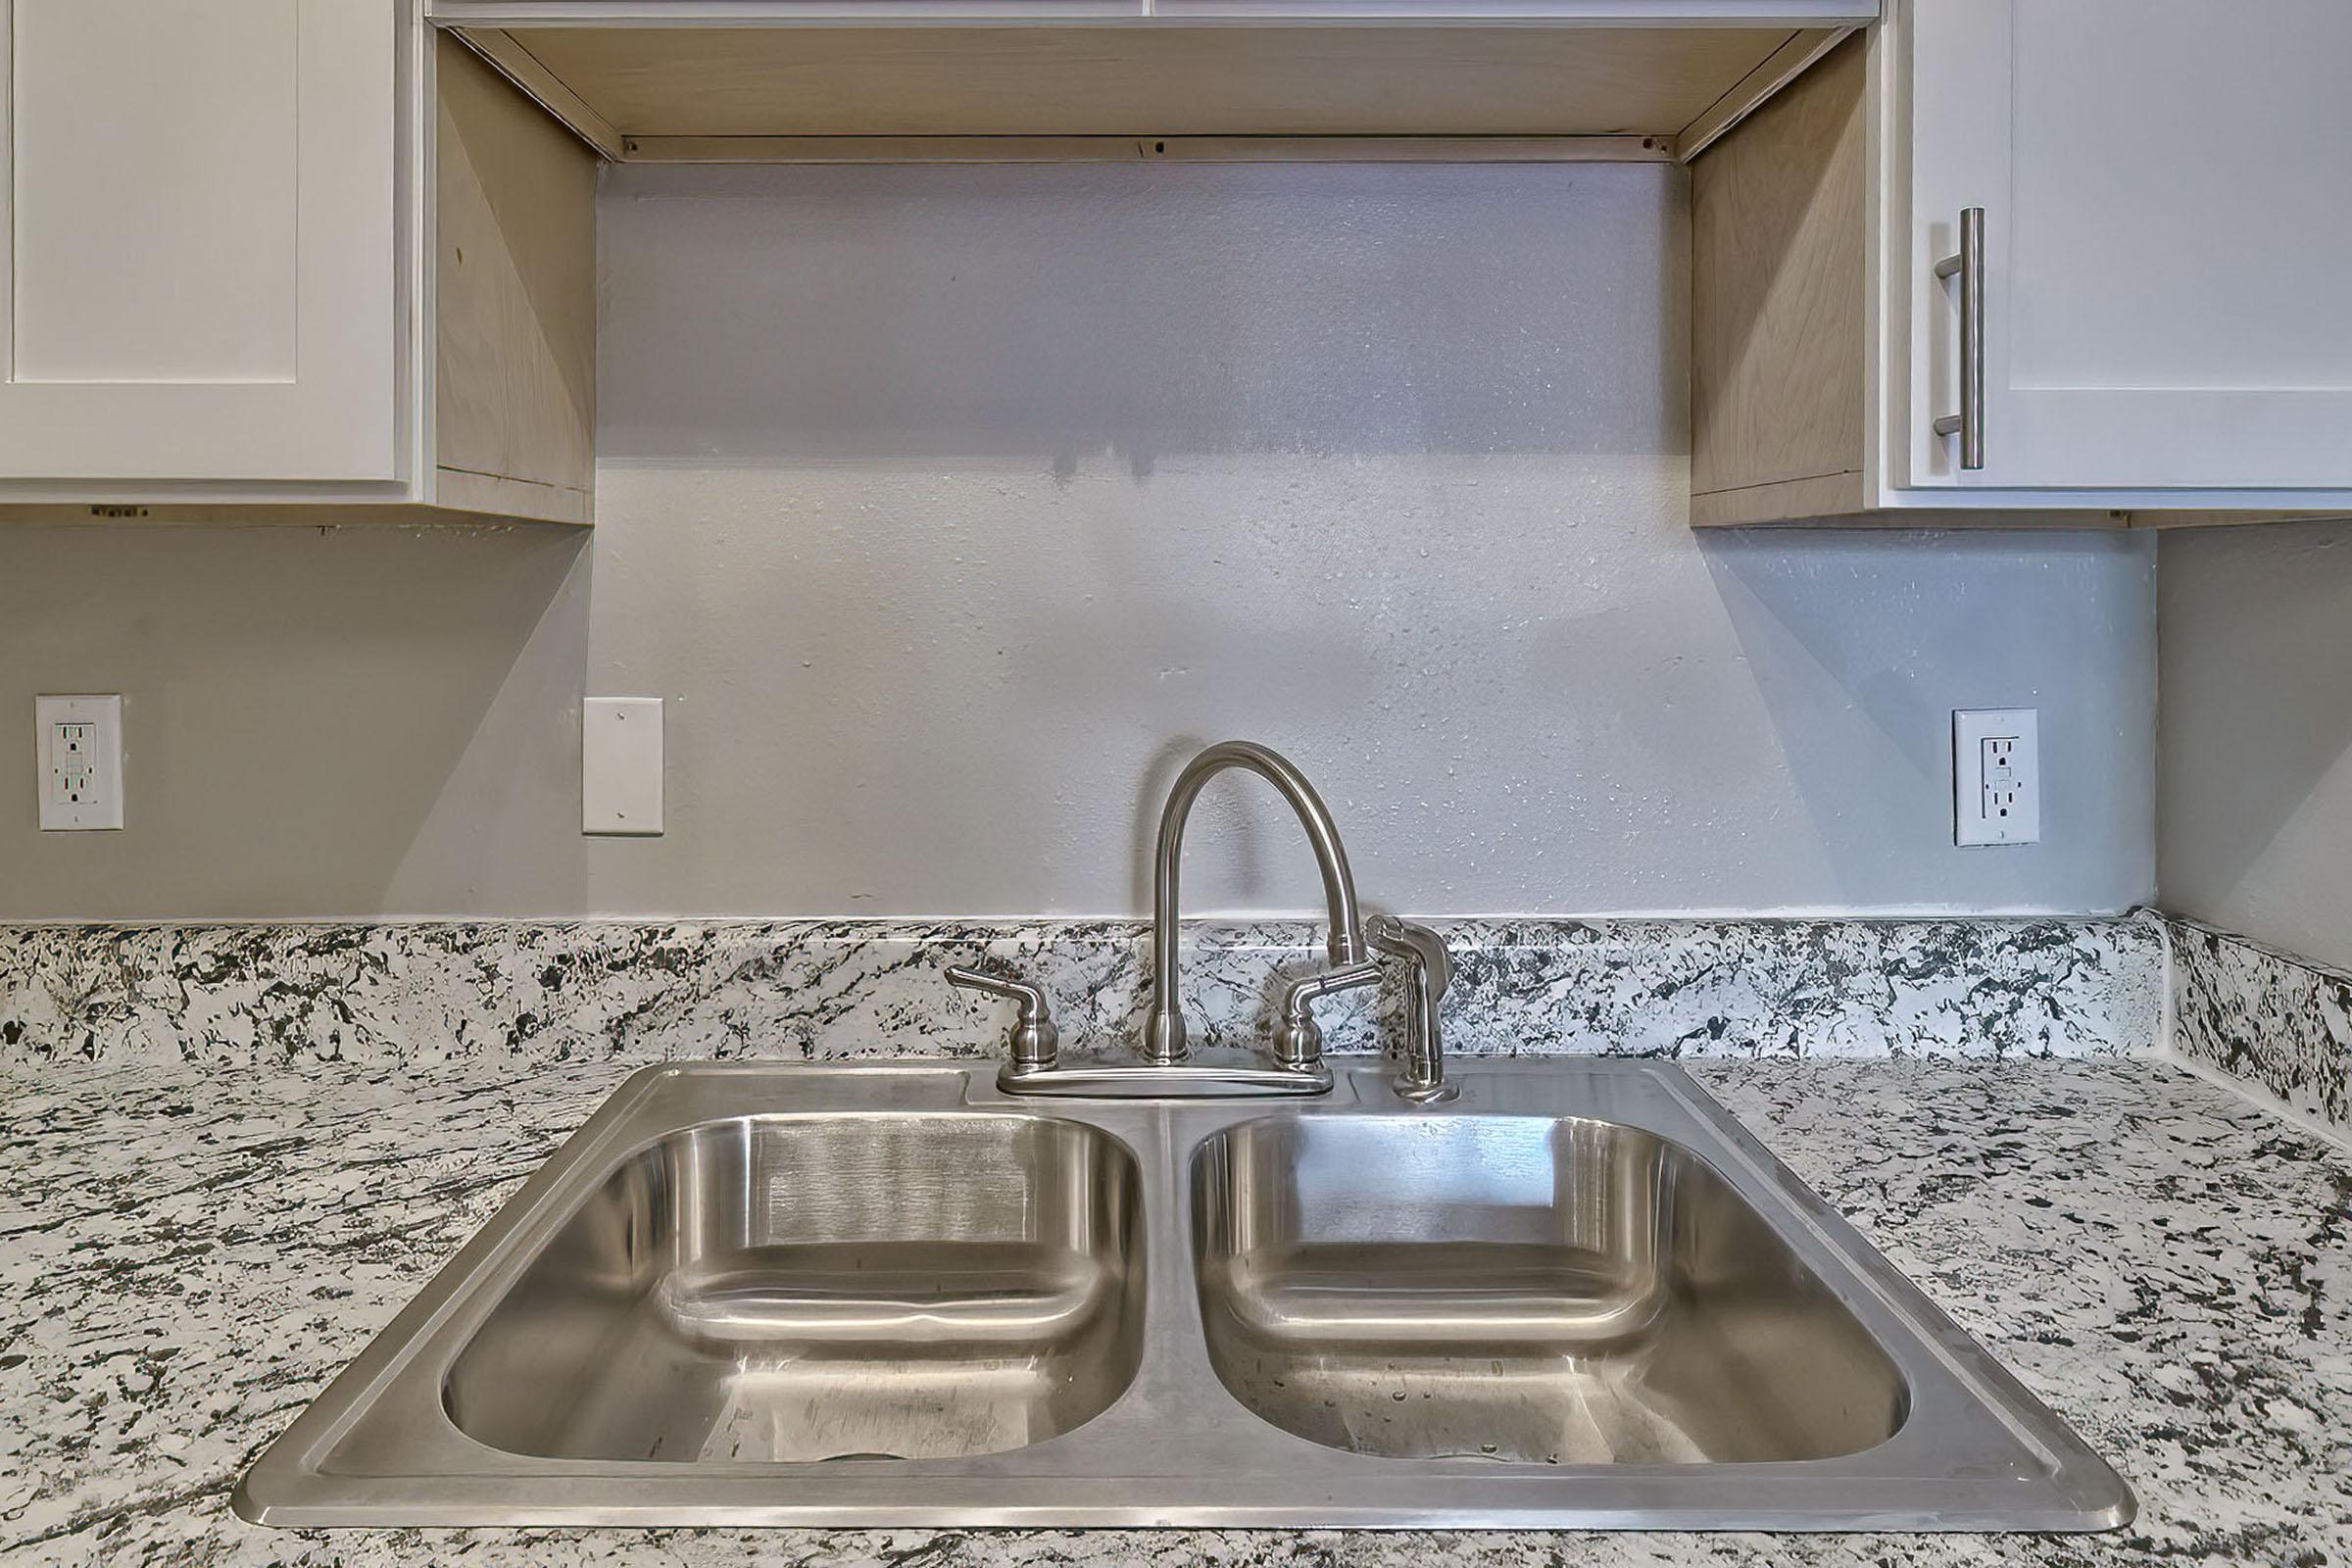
515,295
1779,232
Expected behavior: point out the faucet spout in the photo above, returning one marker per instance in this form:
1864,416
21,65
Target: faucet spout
1163,1030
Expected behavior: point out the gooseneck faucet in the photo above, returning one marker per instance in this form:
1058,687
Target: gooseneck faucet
1034,1066
1163,1029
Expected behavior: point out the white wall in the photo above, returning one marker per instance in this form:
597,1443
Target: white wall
2255,787
952,507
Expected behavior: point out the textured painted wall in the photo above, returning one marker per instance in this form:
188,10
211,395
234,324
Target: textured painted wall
952,507
2255,780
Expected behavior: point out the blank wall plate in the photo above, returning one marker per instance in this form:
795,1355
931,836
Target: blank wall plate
1996,776
620,765
79,746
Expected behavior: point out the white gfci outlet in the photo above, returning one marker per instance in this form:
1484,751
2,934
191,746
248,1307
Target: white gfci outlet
1996,776
79,747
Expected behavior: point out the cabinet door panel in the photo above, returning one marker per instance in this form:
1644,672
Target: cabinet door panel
201,275
2166,199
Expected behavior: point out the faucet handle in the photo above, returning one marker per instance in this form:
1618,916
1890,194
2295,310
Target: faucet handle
1034,1042
1297,1041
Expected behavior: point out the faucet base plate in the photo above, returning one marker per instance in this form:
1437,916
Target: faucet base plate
1175,1081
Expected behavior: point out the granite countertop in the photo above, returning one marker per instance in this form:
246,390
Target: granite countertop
189,1257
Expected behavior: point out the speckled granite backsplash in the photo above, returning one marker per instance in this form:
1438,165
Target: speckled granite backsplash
2279,1023
412,995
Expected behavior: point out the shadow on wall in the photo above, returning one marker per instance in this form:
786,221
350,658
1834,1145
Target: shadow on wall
316,721
1052,313
2255,828
1865,642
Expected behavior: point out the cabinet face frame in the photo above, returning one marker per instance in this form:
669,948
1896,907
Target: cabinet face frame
341,418
1952,135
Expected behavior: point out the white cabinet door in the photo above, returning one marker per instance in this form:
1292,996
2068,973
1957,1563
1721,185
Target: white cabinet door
200,280
2167,187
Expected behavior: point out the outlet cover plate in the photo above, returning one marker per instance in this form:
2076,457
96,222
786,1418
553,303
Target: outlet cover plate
79,751
1996,776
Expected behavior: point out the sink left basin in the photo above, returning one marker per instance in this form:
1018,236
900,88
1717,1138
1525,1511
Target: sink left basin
892,1279
799,1287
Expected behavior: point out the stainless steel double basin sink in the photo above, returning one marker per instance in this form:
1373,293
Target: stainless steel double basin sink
891,1295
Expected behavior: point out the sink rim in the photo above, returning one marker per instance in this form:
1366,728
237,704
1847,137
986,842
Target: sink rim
1176,1449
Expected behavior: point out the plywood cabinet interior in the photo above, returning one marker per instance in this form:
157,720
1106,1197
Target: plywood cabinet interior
659,80
1780,407
514,302
261,303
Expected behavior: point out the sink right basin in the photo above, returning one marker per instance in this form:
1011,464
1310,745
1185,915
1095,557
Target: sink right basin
1524,1289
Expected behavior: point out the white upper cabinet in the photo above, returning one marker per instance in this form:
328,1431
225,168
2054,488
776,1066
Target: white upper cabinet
2150,328
2166,191
286,261
201,198
306,253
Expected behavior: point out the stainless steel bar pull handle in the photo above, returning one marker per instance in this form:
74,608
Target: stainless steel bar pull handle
1970,264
